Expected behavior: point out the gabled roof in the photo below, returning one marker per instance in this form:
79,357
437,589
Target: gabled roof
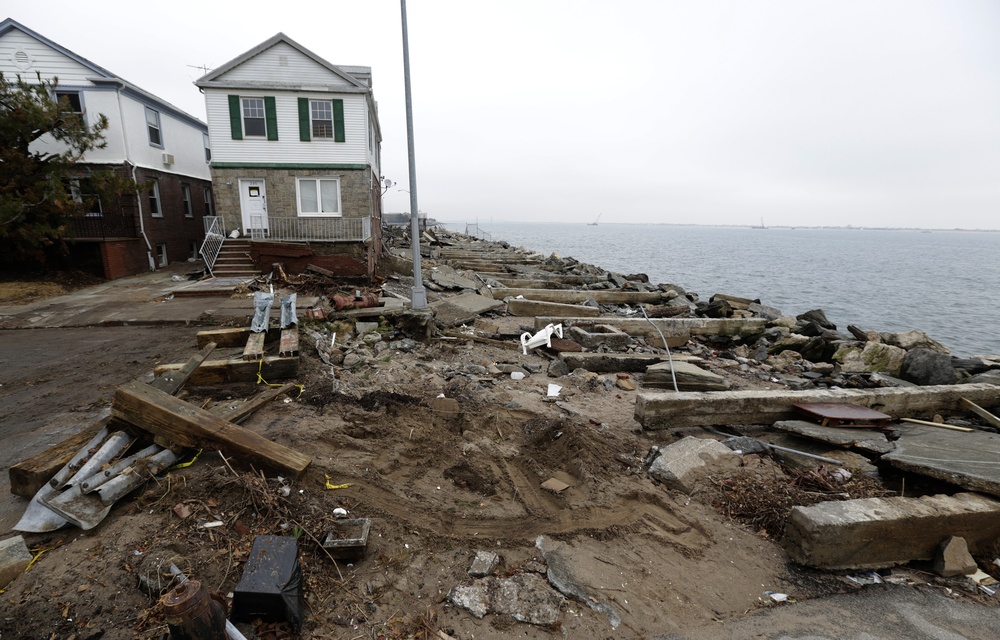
213,78
103,76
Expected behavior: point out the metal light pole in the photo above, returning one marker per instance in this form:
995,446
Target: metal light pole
418,297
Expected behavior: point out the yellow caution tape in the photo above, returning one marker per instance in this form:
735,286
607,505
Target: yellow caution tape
184,465
261,380
330,485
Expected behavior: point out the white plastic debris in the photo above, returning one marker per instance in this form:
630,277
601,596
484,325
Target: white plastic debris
554,390
516,375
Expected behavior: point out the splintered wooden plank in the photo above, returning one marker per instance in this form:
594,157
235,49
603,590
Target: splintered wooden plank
255,346
979,411
238,410
223,371
172,381
289,345
28,476
190,426
231,337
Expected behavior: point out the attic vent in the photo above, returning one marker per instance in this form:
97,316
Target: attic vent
168,158
21,59
283,60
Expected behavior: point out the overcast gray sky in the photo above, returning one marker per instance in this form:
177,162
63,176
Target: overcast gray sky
800,112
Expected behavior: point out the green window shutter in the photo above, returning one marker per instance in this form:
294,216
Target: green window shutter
304,128
270,118
235,118
338,120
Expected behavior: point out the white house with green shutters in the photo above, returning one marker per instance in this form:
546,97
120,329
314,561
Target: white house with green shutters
295,154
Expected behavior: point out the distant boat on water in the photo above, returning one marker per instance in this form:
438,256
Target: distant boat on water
761,224
594,223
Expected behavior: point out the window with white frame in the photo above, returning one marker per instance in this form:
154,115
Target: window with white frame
321,115
186,199
154,199
254,124
319,196
161,255
153,127
71,98
208,202
208,147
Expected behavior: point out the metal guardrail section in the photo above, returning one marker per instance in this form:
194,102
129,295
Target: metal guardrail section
311,229
215,235
107,225
473,230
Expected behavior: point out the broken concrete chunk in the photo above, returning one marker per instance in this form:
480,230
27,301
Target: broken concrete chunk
690,377
526,597
881,532
681,464
14,559
953,558
966,459
484,564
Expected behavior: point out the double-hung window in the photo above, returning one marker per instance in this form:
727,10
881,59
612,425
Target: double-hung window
186,199
321,115
73,99
254,124
154,199
319,196
153,127
208,202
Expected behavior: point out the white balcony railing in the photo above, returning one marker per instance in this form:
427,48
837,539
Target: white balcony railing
310,229
215,234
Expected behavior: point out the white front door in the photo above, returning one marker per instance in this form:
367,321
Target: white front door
253,206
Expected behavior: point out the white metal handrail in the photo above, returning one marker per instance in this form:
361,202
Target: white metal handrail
215,235
310,229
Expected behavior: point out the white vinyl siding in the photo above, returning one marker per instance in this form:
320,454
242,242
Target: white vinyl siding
282,63
318,196
42,58
288,148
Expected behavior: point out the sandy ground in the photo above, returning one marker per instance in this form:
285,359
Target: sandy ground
440,481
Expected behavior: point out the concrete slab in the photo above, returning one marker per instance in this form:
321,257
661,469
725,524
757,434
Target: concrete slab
461,309
573,296
689,377
881,532
659,410
614,362
867,440
968,459
673,327
682,464
553,310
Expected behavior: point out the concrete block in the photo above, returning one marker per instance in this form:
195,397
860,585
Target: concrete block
14,559
658,410
882,532
681,464
521,307
462,308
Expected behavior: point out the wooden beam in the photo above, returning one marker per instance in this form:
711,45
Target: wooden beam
231,337
939,425
237,411
289,345
172,381
28,475
979,411
223,371
190,426
255,346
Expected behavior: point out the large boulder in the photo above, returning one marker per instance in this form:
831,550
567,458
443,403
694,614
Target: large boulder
925,367
873,358
818,317
912,340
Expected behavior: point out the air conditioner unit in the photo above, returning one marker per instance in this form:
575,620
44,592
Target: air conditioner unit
168,158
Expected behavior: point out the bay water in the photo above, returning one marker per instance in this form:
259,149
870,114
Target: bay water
945,283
